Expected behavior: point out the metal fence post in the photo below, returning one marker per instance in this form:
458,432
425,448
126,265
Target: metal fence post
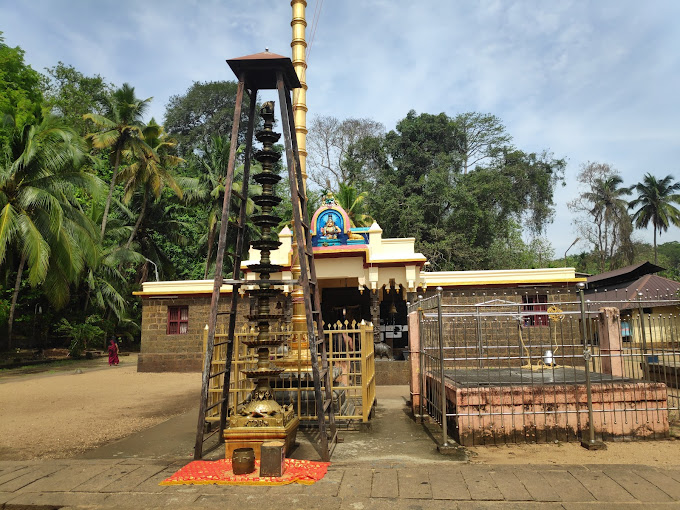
591,444
440,334
645,364
421,357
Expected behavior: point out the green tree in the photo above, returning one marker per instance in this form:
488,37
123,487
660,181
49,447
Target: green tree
40,219
20,94
353,203
151,171
104,285
604,219
70,94
82,334
120,129
654,204
417,187
160,237
208,190
204,111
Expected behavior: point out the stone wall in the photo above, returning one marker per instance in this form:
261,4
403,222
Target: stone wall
161,352
391,373
546,413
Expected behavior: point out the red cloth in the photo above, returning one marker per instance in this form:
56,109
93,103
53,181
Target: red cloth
113,354
219,472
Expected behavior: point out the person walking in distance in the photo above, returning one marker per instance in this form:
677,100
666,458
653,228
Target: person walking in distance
113,352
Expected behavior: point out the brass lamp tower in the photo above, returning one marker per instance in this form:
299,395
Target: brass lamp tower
262,418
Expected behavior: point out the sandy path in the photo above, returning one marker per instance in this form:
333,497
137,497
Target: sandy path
61,414
649,453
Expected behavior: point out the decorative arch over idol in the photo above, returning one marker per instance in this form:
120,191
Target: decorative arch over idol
331,226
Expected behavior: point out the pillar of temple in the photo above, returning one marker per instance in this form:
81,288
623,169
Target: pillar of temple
299,321
375,315
299,46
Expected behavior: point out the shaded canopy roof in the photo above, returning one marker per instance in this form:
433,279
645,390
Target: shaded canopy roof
624,275
259,70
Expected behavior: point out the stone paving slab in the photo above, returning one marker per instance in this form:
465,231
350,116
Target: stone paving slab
449,484
566,487
385,483
31,475
103,481
356,483
480,484
510,486
66,478
661,480
414,483
505,505
58,499
637,486
129,481
601,486
539,488
57,484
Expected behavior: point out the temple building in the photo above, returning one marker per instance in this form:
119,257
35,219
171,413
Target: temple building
362,276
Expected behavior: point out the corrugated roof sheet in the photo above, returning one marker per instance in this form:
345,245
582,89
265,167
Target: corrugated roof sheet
623,275
655,290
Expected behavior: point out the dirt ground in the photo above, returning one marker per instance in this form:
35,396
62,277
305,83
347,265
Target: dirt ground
63,412
60,413
649,453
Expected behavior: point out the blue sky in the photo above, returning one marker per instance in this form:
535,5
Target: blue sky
588,80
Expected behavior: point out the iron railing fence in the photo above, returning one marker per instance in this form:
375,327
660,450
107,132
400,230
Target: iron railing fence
569,370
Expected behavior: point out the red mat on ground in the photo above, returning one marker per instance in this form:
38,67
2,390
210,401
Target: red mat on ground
219,472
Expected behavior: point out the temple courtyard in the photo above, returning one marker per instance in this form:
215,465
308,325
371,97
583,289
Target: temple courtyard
99,436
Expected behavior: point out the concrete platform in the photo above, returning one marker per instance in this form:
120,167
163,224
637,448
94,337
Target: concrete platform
508,405
472,378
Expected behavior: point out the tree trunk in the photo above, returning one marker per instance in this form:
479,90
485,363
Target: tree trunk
15,296
87,299
655,261
110,195
139,220
211,240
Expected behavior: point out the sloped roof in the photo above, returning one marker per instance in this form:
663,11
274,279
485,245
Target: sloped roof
655,291
623,275
259,70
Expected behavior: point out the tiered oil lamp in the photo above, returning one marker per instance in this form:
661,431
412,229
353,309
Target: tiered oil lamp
262,418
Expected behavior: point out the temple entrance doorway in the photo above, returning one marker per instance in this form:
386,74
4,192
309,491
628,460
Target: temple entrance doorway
394,322
345,304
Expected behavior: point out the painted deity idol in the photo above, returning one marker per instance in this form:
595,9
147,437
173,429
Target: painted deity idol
330,230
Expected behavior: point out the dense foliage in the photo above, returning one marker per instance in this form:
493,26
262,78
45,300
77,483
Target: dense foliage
421,183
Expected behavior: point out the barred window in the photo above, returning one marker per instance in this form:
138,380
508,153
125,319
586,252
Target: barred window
178,320
536,313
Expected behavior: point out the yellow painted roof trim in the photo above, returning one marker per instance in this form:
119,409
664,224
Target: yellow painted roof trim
180,288
501,277
449,283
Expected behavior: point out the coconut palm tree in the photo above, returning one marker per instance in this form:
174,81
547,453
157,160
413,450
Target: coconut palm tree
119,129
150,171
610,214
353,203
655,204
104,285
209,189
42,228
